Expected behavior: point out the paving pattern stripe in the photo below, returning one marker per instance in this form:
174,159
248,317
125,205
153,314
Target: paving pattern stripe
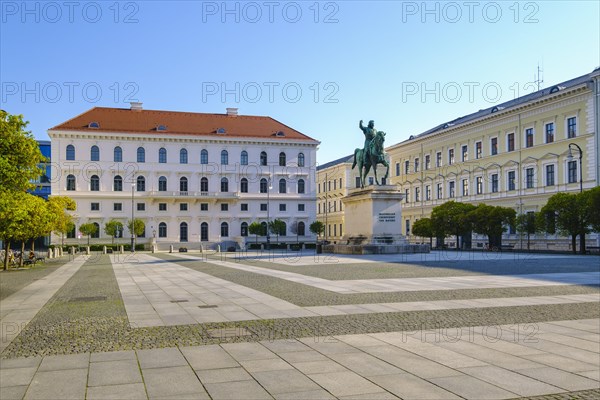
19,308
416,284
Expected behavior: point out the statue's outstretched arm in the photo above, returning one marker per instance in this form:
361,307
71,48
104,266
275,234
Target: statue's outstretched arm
360,125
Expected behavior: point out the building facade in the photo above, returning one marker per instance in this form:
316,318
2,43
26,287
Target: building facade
192,178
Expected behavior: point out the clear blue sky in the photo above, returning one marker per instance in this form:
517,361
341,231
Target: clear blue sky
351,60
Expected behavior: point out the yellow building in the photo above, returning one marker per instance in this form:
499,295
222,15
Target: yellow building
516,154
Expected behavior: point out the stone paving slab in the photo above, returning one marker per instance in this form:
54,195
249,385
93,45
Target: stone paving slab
374,366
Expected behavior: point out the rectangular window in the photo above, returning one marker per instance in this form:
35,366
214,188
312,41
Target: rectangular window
511,180
244,206
529,178
162,206
117,206
334,184
479,184
494,146
571,127
510,142
263,206
329,186
478,150
301,207
438,159
282,207
416,165
427,162
141,206
417,194
550,175
203,206
572,171
319,188
183,206
494,183
465,187
439,191
407,226
319,208
428,192
397,169
357,182
465,153
406,166
550,132
407,195
451,189
95,206
529,137
451,156
371,180
224,207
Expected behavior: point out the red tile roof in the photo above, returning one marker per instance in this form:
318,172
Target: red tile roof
182,123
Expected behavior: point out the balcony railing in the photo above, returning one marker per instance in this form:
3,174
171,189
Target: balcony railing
194,194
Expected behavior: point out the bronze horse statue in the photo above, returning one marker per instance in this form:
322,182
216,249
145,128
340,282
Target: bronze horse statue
374,155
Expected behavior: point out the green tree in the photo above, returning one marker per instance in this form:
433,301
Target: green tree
528,224
112,227
256,229
424,228
138,227
20,155
317,228
594,207
61,220
277,227
88,229
492,221
452,218
571,216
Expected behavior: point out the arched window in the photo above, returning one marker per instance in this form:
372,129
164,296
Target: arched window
301,229
282,186
183,232
224,185
94,183
96,234
162,184
141,184
204,184
204,232
300,185
162,155
141,154
283,229
224,157
204,157
71,233
70,182
224,229
162,230
244,157
244,185
95,153
301,160
282,159
183,184
118,154
118,183
263,185
264,228
70,152
244,229
263,158
183,156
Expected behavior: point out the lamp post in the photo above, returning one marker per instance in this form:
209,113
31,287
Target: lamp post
269,187
132,220
570,158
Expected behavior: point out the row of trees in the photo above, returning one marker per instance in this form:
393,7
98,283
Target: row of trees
23,216
113,227
278,227
568,214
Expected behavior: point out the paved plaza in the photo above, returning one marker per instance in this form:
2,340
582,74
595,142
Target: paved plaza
256,326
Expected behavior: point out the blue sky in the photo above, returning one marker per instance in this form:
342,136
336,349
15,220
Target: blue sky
319,67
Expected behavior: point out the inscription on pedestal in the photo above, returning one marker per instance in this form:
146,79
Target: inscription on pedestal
386,217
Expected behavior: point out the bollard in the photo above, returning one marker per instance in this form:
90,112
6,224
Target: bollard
72,250
103,249
50,253
153,248
170,248
87,250
218,248
122,249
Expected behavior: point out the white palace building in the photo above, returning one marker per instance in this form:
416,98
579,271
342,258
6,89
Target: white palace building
191,177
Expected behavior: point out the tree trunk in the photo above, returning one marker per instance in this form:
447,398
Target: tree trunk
582,243
22,251
528,241
574,243
457,242
32,245
6,252
430,242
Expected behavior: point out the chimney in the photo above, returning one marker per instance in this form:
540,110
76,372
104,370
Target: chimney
232,112
136,106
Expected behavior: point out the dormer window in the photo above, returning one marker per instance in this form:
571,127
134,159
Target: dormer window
161,128
221,131
280,134
555,89
94,125
496,109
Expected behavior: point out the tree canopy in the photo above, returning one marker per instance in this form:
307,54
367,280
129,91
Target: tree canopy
492,221
112,227
317,228
452,218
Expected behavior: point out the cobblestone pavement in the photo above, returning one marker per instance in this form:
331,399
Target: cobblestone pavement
472,363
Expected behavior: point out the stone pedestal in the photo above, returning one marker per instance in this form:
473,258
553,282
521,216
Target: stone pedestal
373,223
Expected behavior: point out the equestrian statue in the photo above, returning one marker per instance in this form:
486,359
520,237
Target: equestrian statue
372,153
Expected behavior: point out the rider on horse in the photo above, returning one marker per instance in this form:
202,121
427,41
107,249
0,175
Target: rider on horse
369,132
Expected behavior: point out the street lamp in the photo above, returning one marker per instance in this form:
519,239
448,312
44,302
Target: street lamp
132,220
269,187
570,158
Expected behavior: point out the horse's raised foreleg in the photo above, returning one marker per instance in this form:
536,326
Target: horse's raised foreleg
375,174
